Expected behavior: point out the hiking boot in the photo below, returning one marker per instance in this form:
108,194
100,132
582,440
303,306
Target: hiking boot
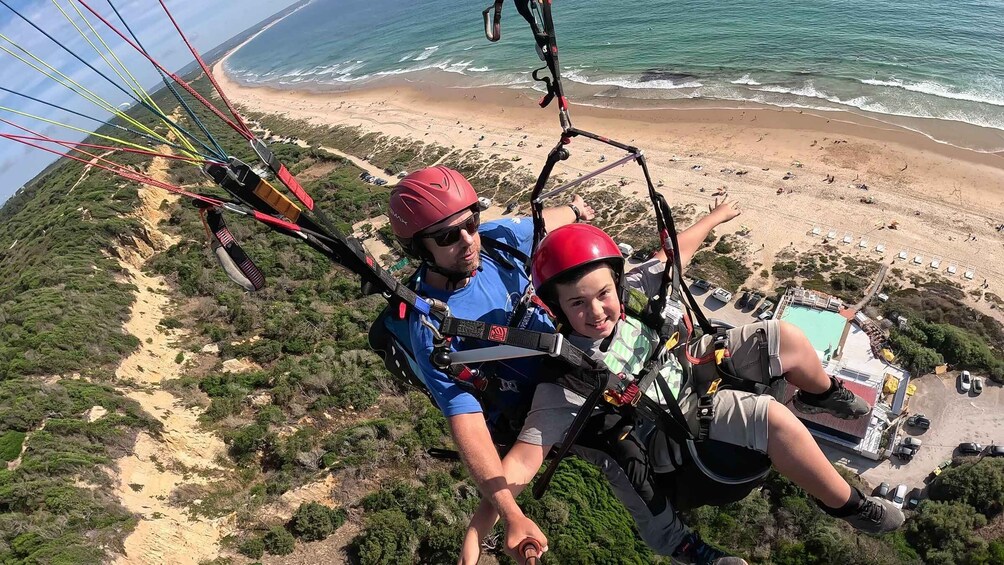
876,516
694,550
838,401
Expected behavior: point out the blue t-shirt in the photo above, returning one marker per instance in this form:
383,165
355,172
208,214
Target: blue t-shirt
490,296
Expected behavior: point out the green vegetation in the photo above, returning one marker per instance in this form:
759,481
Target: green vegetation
725,271
10,446
278,541
823,270
314,522
940,329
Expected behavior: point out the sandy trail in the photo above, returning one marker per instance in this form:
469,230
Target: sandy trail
184,453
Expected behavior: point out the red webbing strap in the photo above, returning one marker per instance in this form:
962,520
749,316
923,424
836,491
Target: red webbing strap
294,186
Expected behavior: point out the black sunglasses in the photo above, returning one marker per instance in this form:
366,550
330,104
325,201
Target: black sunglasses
451,235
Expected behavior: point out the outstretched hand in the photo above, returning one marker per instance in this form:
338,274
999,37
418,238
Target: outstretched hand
724,209
586,212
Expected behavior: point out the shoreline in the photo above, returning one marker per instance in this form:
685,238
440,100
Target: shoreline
800,170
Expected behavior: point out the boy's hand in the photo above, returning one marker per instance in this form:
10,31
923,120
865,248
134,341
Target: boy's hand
518,530
724,210
586,212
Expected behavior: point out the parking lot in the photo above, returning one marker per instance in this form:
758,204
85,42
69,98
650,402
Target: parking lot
955,417
729,313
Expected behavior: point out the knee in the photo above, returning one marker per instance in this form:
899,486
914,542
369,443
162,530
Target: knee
781,421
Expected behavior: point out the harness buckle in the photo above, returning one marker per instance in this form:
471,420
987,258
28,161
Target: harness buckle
705,414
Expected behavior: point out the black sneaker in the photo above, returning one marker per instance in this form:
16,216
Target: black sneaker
840,402
876,516
693,550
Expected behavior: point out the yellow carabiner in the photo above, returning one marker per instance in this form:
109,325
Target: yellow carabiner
714,387
672,341
719,356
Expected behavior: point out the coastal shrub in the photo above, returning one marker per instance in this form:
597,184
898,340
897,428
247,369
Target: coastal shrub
728,272
979,484
253,547
314,522
724,246
941,532
10,445
278,541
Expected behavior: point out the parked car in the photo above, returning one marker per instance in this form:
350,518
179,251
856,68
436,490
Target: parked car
883,490
912,442
753,300
743,298
484,202
904,452
702,284
977,386
765,315
625,249
913,499
965,381
899,496
919,421
722,294
970,448
995,451
767,306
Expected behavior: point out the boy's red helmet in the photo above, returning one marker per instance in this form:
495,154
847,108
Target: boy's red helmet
571,247
425,198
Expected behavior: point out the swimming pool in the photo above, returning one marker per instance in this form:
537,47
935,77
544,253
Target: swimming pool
824,328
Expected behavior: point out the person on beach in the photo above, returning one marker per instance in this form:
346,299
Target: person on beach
577,271
435,215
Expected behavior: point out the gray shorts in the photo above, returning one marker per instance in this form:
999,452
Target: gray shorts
740,418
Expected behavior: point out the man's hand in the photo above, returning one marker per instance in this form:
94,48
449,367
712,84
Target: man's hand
586,212
724,210
517,530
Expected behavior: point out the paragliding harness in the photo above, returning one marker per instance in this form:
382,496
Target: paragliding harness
627,393
389,335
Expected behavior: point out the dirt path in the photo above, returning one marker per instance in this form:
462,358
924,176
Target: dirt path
184,454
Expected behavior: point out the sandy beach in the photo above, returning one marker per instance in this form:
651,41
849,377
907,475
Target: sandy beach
805,172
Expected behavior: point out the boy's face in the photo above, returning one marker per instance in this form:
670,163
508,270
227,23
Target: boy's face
591,304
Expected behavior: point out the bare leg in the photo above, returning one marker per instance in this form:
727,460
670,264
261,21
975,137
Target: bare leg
795,455
800,362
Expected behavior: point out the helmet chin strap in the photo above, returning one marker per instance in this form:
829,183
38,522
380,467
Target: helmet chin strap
453,278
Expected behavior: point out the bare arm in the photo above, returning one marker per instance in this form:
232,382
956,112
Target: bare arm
691,238
557,216
519,467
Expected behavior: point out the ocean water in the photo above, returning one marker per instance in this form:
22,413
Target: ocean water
915,63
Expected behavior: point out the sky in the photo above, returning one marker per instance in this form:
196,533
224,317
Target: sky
206,23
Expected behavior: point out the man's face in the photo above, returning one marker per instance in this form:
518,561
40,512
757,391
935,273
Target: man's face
454,243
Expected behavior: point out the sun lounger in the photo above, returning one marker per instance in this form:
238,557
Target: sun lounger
880,248
936,263
969,275
863,244
847,239
902,255
816,231
952,270
918,260
831,235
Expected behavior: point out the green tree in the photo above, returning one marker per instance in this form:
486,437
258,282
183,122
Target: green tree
278,541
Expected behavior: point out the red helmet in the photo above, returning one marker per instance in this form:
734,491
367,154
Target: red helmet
426,197
570,247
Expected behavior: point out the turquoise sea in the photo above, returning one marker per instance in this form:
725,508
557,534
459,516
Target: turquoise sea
914,63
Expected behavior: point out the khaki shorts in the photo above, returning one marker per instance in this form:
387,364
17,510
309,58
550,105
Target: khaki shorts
740,418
